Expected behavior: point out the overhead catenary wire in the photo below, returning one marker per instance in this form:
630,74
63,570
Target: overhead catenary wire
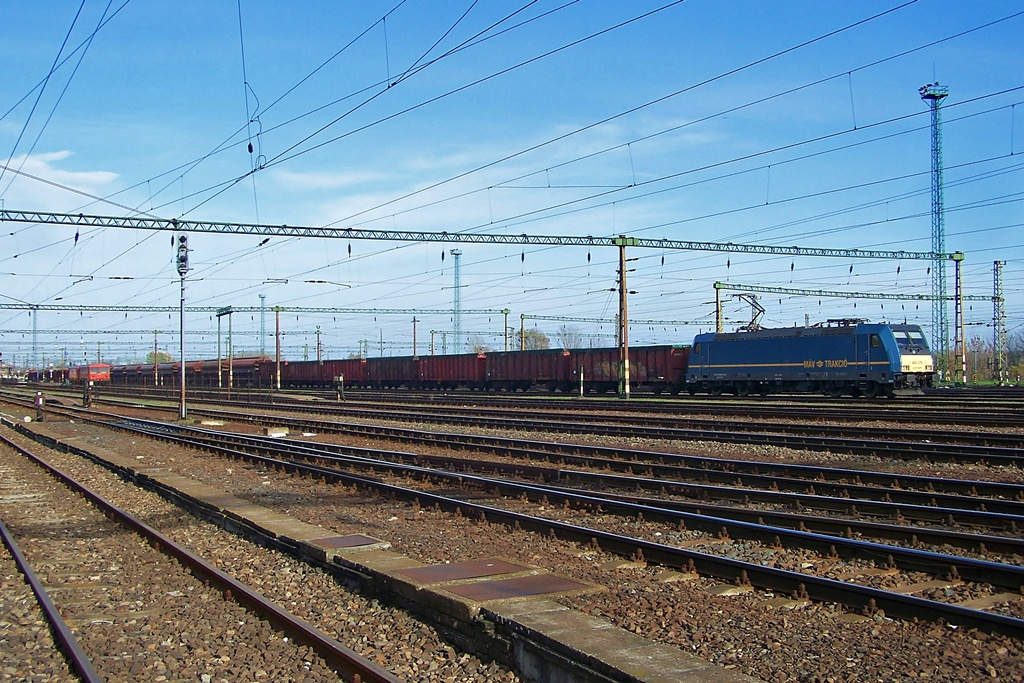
364,253
42,89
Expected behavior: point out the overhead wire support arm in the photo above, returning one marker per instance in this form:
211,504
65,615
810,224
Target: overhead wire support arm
238,309
611,321
832,294
178,225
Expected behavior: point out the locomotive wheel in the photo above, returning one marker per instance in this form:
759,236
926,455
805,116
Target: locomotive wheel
742,389
715,389
871,391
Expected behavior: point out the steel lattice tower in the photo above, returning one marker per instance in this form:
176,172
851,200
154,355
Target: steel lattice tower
999,322
457,303
934,94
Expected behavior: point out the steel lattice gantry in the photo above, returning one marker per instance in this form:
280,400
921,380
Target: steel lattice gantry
176,225
620,242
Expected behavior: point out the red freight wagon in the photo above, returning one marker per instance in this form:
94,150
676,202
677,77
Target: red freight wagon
521,370
450,372
254,371
391,373
354,371
662,368
304,373
600,368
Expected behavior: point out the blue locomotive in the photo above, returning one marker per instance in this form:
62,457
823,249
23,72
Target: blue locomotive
840,357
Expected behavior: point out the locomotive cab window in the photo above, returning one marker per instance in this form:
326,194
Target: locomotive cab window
696,347
876,341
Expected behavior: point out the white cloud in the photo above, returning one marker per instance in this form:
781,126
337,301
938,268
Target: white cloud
37,183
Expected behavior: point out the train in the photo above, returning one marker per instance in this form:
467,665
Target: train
836,358
846,357
97,373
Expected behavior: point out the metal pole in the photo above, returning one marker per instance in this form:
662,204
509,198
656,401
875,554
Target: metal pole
219,380
182,411
999,342
263,333
718,309
156,361
624,326
622,241
231,358
414,321
277,336
506,311
182,270
959,345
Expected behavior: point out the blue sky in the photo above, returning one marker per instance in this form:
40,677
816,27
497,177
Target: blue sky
783,123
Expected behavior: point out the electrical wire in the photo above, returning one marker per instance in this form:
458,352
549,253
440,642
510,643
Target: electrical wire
46,80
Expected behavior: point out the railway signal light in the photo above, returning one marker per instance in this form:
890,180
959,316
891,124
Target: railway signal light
182,255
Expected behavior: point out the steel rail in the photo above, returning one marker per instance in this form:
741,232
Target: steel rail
1001,497
900,533
342,659
987,493
61,631
905,450
789,582
998,514
836,527
578,413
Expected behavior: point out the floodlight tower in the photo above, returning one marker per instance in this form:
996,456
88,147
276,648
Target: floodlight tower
934,94
457,303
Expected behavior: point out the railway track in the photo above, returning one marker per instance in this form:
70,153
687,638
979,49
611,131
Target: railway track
963,409
942,569
808,437
803,480
660,421
637,521
117,591
829,544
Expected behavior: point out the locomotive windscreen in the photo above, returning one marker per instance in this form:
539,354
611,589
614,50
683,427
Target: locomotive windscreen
910,339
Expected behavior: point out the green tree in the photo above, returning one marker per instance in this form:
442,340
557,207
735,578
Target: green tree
569,337
534,339
154,357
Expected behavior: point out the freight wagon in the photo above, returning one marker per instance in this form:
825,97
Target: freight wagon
841,357
658,368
